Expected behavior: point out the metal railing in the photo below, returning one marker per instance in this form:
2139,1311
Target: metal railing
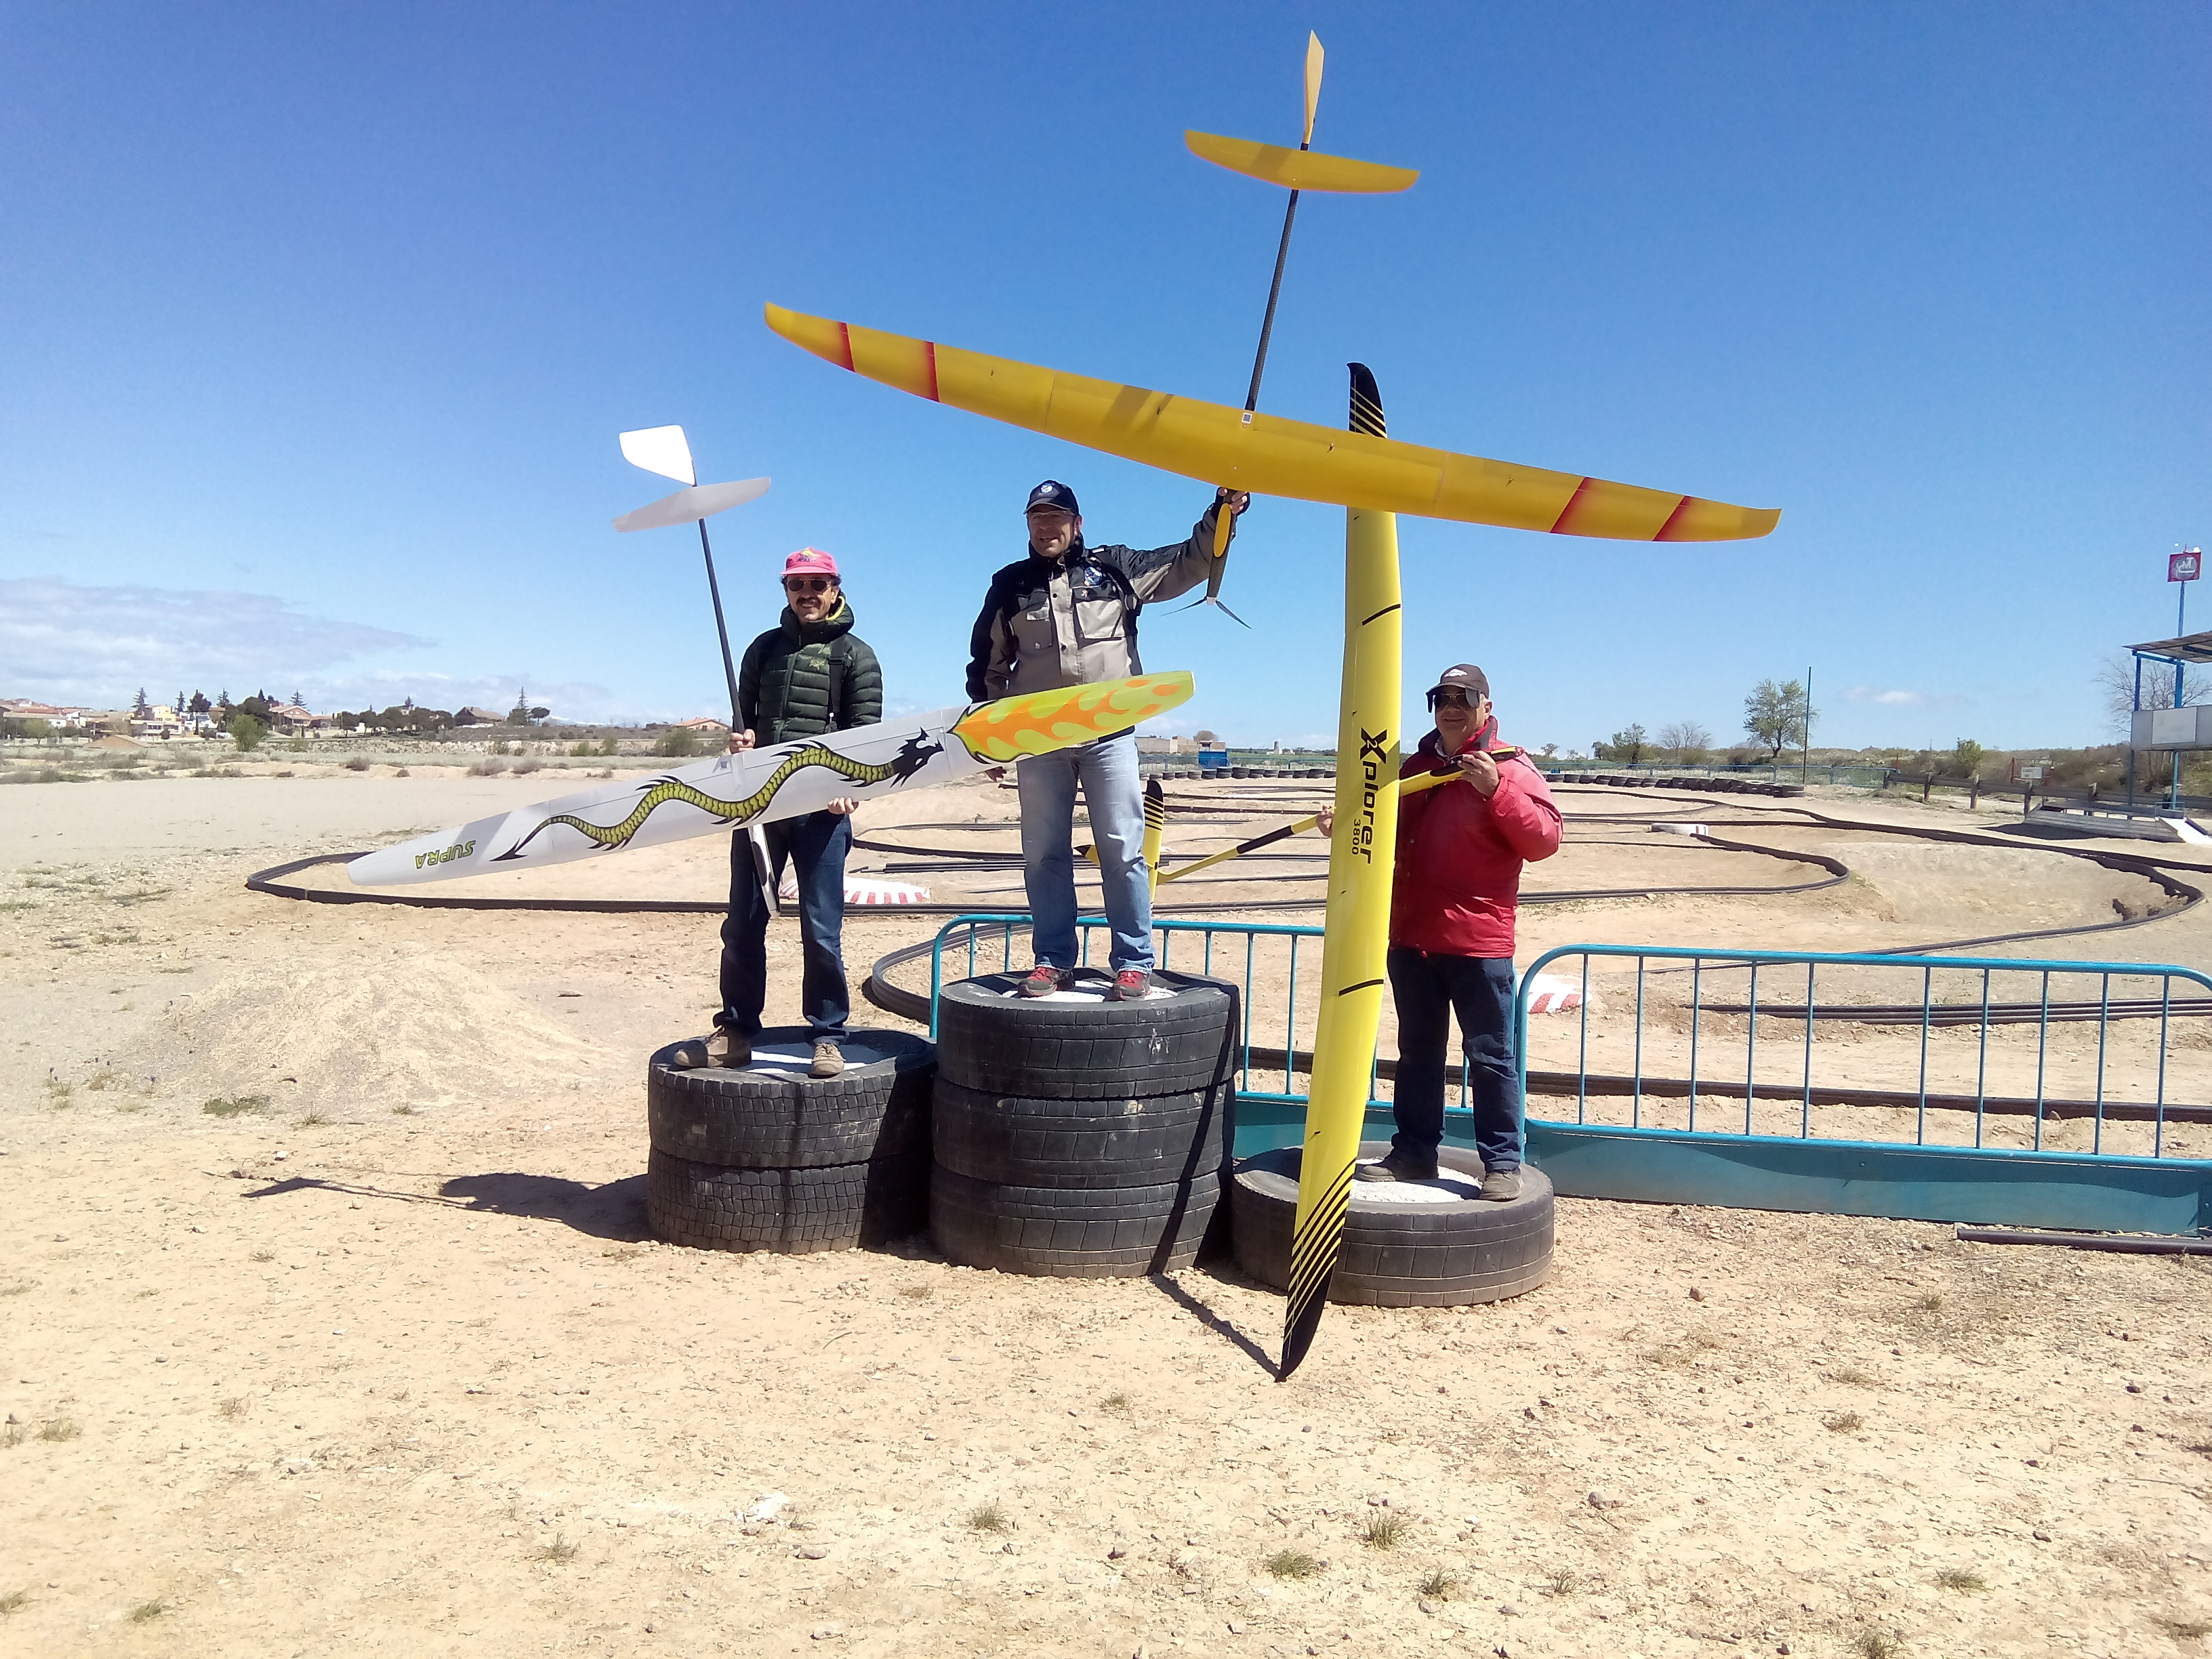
2006,1053
1685,1040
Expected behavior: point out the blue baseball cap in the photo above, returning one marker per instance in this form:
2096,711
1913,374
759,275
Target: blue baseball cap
1054,494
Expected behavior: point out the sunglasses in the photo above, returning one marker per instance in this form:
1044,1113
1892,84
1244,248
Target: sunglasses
809,584
1449,696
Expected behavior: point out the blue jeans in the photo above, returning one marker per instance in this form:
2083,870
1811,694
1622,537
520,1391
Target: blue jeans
816,843
1107,769
1428,989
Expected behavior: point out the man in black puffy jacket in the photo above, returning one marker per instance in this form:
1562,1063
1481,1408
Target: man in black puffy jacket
808,674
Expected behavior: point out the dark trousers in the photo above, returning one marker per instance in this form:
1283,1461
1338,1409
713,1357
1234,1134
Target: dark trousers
1428,990
817,844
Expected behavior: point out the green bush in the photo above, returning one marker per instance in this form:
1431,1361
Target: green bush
246,733
678,740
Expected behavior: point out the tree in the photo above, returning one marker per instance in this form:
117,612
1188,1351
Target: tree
247,731
1969,757
1777,716
1686,741
140,708
1627,746
199,704
2116,681
299,699
678,740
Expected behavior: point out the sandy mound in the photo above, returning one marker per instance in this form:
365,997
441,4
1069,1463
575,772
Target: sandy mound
416,1030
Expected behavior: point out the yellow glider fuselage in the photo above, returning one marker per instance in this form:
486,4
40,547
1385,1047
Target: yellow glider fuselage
1266,454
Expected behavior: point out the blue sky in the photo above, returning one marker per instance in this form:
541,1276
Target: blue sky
317,326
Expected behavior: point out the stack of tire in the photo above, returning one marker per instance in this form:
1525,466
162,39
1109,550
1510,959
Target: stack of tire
765,1157
1075,1137
1422,1244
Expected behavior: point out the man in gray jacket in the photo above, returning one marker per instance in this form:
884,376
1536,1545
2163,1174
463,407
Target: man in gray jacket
1067,615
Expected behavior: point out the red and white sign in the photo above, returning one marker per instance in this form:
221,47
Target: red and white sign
2184,565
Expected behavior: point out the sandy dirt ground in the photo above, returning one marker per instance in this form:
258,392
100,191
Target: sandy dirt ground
375,1356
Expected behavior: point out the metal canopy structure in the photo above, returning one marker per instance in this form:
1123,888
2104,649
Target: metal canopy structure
2190,647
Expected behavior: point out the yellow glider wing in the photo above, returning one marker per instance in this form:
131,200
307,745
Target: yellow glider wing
1042,721
1299,169
1214,444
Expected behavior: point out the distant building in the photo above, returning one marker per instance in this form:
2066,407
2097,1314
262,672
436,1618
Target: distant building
1164,745
473,715
705,725
293,720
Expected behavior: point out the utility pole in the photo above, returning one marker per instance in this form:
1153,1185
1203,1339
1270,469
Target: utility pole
1805,772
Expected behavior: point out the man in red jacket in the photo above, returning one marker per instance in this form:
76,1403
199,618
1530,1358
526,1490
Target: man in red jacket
1460,847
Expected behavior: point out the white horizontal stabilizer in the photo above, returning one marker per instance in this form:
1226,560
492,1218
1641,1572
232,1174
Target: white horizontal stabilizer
690,506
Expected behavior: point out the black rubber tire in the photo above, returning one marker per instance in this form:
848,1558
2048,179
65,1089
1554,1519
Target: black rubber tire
1395,1254
1049,1232
794,1211
744,1119
1076,1144
1000,1044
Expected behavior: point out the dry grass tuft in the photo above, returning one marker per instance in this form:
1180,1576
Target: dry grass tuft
1384,1530
559,1550
1843,1423
989,1518
236,1105
1292,1564
1957,1578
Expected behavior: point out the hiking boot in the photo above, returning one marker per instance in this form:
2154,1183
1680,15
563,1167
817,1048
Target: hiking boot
1044,979
729,1048
1131,985
1398,1166
1499,1185
828,1062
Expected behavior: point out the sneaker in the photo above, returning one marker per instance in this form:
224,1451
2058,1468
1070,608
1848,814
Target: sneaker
728,1047
1499,1185
828,1062
1131,985
1398,1166
1045,979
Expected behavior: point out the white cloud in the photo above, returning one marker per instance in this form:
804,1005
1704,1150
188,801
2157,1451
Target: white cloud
65,643
1901,699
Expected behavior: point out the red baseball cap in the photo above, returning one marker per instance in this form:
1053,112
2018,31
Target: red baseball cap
810,562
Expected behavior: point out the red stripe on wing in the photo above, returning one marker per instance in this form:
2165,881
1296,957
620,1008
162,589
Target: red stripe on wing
1562,524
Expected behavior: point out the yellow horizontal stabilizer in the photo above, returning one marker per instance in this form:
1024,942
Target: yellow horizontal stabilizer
1038,722
1296,459
1299,169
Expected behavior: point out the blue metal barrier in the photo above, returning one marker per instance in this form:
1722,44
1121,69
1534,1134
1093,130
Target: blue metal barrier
1920,1124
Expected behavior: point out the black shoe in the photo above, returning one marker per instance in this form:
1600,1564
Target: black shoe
1500,1185
729,1048
1398,1166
